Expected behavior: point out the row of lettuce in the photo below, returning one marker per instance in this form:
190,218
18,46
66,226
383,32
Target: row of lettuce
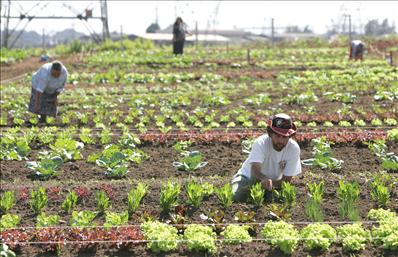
162,237
60,146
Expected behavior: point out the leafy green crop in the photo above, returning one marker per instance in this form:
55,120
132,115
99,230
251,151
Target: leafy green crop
381,214
43,220
82,218
9,221
318,236
102,201
69,202
313,208
169,195
47,167
385,233
257,193
353,237
38,200
195,193
225,195
282,235
200,238
323,156
13,148
68,149
113,219
135,196
288,194
161,237
7,201
236,234
379,192
4,249
190,161
348,194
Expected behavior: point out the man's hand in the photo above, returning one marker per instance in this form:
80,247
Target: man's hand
267,184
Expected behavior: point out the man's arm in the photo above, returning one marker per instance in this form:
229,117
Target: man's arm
257,175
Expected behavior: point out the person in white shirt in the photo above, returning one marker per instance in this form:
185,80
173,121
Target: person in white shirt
357,48
47,83
275,157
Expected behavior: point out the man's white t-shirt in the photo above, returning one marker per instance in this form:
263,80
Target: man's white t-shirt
274,164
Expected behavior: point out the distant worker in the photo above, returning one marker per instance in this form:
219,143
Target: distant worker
274,158
47,83
179,31
357,48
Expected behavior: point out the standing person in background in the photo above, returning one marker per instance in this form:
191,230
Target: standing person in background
47,83
179,31
357,48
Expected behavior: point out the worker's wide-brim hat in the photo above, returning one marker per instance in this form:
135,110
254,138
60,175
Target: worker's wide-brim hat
282,124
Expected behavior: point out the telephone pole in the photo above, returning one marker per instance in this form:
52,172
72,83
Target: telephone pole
104,19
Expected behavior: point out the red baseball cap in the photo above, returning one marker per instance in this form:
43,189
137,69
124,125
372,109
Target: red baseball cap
282,124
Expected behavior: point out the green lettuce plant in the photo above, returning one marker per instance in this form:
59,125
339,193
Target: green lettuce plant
282,235
135,196
225,195
169,195
257,193
195,193
113,219
43,220
82,218
200,238
322,156
102,201
7,201
70,202
353,237
236,234
348,194
48,166
68,149
190,161
313,208
38,200
161,237
9,221
318,236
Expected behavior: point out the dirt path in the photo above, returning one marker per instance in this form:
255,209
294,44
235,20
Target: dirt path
31,64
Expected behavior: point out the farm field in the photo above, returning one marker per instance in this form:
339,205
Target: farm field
139,159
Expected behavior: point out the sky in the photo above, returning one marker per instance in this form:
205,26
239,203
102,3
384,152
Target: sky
135,16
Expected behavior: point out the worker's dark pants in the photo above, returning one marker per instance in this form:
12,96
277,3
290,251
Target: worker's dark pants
178,47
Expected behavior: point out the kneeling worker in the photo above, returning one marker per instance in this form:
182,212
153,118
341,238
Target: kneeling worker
275,157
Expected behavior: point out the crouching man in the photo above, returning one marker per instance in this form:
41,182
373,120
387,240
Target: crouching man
275,157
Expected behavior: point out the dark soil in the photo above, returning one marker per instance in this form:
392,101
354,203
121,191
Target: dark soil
223,161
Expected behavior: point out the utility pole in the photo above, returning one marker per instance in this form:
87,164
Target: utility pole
43,39
104,19
272,30
5,42
196,35
349,27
